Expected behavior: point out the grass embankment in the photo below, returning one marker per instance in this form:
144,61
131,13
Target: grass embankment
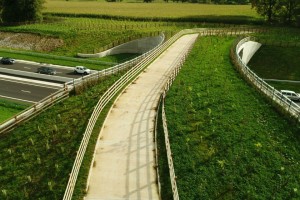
282,63
84,35
9,109
38,156
227,142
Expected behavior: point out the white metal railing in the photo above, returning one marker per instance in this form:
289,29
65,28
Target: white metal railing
263,86
172,75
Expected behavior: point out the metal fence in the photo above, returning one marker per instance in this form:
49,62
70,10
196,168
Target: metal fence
288,105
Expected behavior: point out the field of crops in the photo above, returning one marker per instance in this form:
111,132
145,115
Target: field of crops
149,10
227,142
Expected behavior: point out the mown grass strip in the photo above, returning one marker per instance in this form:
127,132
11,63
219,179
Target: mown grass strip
227,141
8,109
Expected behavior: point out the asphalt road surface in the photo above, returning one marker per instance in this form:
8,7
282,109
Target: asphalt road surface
64,72
25,92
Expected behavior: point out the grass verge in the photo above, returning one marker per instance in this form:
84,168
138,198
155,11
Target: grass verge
9,109
227,142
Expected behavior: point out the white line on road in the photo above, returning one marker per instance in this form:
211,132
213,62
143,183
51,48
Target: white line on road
26,91
18,99
31,82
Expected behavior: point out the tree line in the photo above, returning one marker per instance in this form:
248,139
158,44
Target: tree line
15,11
283,11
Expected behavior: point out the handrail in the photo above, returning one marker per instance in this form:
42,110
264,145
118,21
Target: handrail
292,108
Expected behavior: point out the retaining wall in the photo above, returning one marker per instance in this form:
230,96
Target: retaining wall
247,50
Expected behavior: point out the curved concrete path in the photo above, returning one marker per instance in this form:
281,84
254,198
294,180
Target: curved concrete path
125,153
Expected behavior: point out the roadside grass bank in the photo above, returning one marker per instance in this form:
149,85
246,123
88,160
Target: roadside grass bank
38,155
10,108
275,62
227,142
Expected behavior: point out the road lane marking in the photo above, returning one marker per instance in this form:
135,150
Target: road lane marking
36,83
18,99
26,91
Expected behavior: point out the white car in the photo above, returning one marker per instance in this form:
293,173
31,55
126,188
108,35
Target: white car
82,70
291,95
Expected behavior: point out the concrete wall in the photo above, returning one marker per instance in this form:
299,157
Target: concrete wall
139,46
247,50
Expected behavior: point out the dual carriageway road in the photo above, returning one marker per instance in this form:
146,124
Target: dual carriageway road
30,90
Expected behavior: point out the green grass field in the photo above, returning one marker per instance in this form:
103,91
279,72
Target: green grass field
227,142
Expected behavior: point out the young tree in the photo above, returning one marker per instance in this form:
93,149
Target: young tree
266,8
21,10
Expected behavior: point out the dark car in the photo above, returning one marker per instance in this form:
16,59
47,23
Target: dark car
46,70
7,61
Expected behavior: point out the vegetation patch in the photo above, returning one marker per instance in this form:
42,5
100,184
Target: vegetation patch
9,109
227,142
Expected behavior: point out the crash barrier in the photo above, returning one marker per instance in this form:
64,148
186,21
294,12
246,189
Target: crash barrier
34,110
146,59
274,95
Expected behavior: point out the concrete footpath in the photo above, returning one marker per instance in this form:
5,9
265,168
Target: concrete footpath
124,158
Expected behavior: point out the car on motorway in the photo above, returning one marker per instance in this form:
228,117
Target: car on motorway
81,70
7,61
46,70
291,95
